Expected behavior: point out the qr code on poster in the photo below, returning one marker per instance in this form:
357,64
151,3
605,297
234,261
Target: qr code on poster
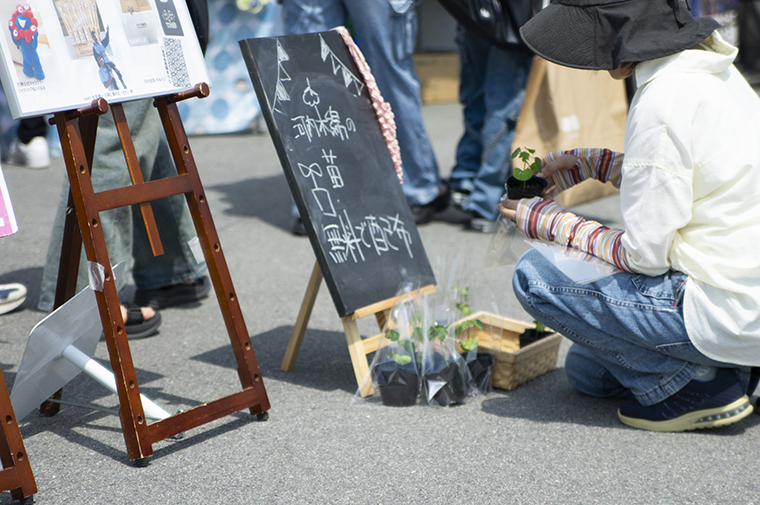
174,60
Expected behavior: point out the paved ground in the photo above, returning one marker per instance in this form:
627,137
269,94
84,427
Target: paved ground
541,443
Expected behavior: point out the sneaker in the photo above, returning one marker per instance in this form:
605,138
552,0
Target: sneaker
35,154
424,213
459,199
11,296
480,224
718,402
298,229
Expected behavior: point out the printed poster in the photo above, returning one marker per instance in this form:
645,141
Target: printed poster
8,224
62,54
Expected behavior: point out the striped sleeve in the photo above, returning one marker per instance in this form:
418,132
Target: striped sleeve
545,219
600,164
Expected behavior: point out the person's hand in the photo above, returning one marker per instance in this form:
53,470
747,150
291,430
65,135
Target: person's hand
564,162
508,209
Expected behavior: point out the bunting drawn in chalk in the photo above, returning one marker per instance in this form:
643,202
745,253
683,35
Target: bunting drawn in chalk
280,93
338,66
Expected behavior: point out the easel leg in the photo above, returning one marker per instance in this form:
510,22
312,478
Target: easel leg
358,354
304,314
17,476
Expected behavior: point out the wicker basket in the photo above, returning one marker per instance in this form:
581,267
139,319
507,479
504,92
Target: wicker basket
514,366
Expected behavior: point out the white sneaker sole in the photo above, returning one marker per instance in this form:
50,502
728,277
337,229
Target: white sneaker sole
709,418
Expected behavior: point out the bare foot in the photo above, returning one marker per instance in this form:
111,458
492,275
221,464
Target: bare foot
147,313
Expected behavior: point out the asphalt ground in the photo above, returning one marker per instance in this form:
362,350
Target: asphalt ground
540,443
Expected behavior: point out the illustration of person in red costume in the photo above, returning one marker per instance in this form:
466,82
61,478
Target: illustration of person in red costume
23,27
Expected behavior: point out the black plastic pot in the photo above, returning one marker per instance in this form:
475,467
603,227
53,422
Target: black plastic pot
454,391
517,189
480,369
531,335
398,386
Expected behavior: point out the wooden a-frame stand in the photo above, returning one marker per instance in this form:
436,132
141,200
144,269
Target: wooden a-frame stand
77,131
16,476
357,347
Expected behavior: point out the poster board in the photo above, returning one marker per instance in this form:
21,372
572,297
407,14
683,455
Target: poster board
340,172
8,225
62,54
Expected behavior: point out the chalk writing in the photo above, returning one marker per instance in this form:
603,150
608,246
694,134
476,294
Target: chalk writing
347,239
327,125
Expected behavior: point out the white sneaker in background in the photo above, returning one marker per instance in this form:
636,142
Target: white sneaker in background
11,296
35,154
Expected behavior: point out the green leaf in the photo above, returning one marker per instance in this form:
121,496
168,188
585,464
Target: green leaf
438,331
392,335
400,359
469,345
528,169
417,335
522,174
407,345
477,323
464,309
539,327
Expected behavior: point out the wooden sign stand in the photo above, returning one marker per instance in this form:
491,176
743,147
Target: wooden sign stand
357,347
16,476
77,130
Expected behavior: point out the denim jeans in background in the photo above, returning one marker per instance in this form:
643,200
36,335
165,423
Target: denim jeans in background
386,31
491,88
632,324
124,231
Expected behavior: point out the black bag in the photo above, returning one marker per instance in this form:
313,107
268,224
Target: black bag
749,35
199,14
497,21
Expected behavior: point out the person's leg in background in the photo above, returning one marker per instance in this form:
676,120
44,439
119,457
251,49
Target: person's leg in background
473,57
308,16
30,147
386,32
175,277
504,89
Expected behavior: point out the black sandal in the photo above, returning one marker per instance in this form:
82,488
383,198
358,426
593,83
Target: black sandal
174,295
136,325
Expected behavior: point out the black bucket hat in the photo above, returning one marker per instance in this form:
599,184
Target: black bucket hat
602,34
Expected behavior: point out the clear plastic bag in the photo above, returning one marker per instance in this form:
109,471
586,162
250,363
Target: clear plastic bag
394,371
507,244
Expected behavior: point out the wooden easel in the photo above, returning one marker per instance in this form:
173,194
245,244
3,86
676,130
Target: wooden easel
16,475
77,130
357,347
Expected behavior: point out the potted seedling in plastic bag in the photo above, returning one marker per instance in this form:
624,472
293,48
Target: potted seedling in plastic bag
394,371
478,363
446,378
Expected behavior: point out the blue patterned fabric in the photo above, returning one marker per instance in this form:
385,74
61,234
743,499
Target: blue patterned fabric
232,105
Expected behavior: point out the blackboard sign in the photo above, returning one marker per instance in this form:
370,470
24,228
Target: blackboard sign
339,169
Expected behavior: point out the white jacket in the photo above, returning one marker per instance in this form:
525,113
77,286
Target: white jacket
690,193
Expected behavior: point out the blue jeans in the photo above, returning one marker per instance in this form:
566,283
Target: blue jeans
123,228
385,31
631,324
492,88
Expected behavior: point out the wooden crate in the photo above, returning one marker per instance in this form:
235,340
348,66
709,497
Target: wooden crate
500,336
439,76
